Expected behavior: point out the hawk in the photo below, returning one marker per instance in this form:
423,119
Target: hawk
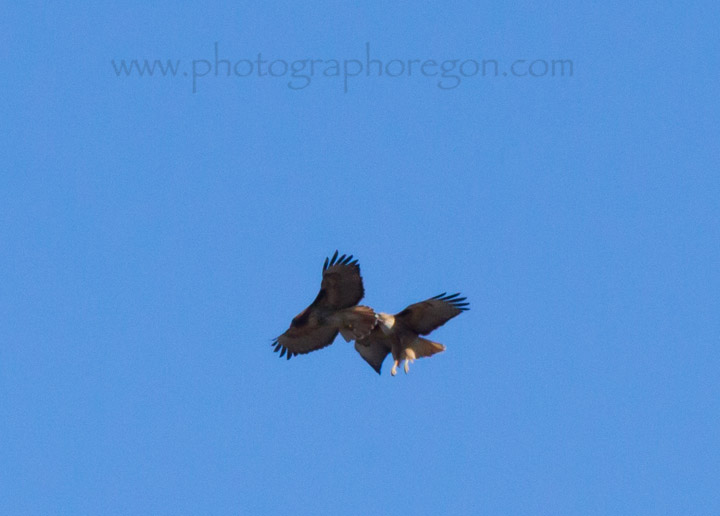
333,311
399,334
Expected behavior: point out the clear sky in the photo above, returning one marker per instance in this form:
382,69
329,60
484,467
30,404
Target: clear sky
157,232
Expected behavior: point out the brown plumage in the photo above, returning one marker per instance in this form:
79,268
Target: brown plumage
332,311
399,334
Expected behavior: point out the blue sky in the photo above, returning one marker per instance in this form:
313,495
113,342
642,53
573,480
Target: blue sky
154,240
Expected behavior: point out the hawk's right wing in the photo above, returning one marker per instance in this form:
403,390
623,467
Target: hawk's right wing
342,285
425,316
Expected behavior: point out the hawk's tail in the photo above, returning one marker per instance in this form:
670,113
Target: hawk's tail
357,322
425,347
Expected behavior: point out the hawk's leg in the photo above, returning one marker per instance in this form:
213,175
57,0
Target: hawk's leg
393,371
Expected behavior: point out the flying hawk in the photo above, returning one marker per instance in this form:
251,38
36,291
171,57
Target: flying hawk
399,334
334,310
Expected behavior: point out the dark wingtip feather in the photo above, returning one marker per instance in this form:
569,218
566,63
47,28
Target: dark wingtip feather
461,303
458,302
344,259
282,353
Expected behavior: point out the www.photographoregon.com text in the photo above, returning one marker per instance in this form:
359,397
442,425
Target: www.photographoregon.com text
447,74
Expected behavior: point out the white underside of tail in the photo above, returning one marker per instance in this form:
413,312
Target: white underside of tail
423,348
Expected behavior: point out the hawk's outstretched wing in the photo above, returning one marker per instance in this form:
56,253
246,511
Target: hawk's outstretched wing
317,326
342,285
299,340
374,348
425,316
